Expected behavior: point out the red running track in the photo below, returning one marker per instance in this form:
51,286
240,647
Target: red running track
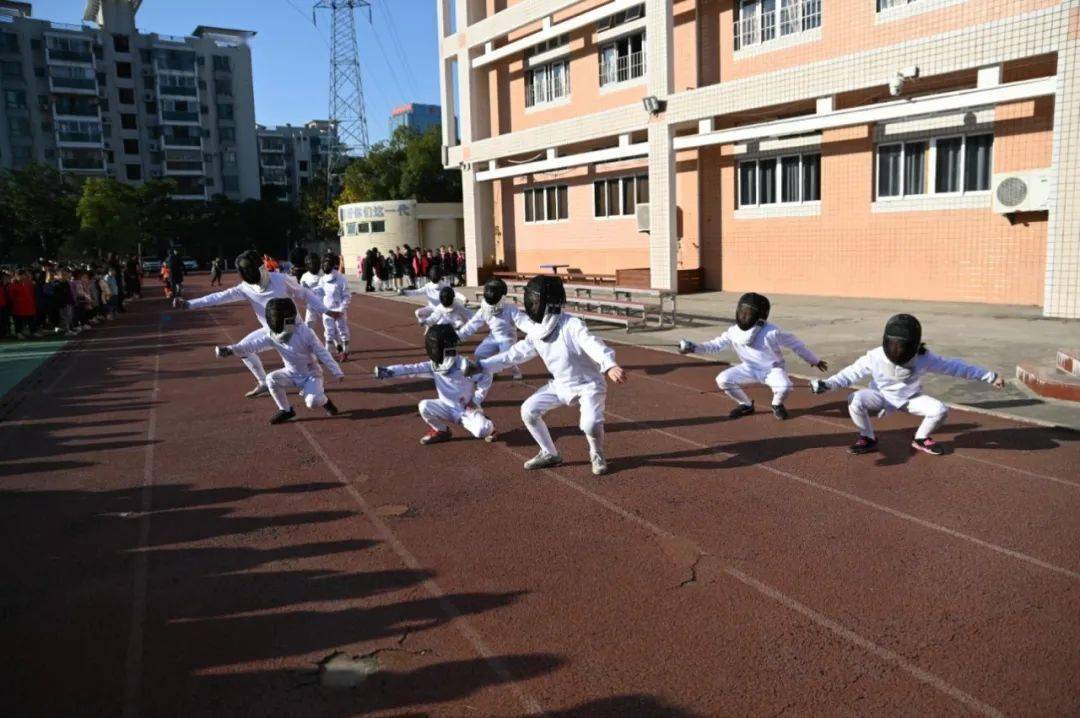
168,553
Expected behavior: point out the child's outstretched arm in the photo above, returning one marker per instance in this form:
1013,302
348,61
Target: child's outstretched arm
419,369
225,296
962,370
520,353
716,346
260,342
847,376
475,322
792,342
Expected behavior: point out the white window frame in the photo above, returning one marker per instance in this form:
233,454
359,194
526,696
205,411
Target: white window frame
527,195
622,182
779,189
548,73
630,79
930,170
802,9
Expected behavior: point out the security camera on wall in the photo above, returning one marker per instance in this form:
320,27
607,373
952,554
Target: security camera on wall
896,84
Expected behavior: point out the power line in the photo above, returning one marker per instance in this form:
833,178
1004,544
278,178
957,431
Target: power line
399,46
309,19
389,64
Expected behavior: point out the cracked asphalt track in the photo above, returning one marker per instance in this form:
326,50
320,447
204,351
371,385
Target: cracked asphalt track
746,567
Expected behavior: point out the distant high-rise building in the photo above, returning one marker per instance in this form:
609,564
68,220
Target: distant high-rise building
103,99
292,157
417,116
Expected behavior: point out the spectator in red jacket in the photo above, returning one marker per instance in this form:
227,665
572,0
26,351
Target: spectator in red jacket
23,305
5,310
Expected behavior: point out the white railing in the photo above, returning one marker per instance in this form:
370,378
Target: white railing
621,69
790,18
888,4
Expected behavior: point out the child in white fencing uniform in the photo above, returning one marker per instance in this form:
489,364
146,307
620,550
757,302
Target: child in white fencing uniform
258,286
430,291
577,360
502,318
460,396
310,280
450,311
759,345
336,296
896,369
300,350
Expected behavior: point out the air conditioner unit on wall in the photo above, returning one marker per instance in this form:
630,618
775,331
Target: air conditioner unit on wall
1027,191
641,214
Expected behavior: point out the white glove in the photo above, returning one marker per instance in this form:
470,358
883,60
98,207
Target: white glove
818,386
223,352
686,346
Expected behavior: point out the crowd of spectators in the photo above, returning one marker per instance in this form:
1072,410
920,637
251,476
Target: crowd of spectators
51,298
400,267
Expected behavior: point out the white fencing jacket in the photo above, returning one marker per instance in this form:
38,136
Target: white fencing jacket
456,315
301,354
502,320
279,286
336,294
575,357
454,388
900,384
430,291
760,347
309,280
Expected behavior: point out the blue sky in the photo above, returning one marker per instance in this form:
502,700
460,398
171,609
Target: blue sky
291,56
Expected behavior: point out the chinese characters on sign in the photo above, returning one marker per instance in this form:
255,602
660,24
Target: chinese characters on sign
375,212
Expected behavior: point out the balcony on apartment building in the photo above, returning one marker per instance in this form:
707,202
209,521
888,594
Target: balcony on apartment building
72,79
272,145
174,61
184,162
75,106
179,111
82,160
181,140
275,177
78,134
177,85
273,161
68,49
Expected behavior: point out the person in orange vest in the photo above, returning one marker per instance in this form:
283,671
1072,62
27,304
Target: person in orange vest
165,280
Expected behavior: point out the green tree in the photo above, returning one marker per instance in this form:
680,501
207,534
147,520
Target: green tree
108,213
406,166
37,211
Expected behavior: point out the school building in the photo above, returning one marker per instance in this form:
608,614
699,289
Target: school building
919,149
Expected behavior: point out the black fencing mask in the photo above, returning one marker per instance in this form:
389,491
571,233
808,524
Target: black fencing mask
751,309
544,294
248,265
441,343
281,318
494,291
434,274
903,338
313,263
447,296
330,262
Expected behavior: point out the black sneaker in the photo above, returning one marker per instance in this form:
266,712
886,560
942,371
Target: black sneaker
282,416
929,446
742,410
780,412
863,446
330,408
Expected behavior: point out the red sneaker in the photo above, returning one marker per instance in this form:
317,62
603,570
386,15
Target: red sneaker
863,446
435,437
928,446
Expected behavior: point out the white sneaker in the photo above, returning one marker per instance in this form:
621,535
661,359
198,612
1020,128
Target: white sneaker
259,390
543,460
599,466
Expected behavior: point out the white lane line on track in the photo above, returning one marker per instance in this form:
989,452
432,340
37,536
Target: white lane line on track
133,665
462,625
821,620
925,523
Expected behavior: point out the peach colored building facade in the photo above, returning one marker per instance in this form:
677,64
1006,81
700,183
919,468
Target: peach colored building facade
835,147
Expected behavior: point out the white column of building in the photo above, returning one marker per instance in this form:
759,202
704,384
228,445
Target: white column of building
663,212
1062,290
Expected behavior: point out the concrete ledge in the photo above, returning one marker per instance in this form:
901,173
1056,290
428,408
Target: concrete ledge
1046,380
1068,361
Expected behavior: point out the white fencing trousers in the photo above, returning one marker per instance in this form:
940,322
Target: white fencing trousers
253,362
865,402
731,381
312,318
336,329
439,415
546,398
490,347
310,385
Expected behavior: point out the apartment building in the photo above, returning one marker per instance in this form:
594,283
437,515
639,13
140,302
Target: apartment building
902,149
103,99
292,157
